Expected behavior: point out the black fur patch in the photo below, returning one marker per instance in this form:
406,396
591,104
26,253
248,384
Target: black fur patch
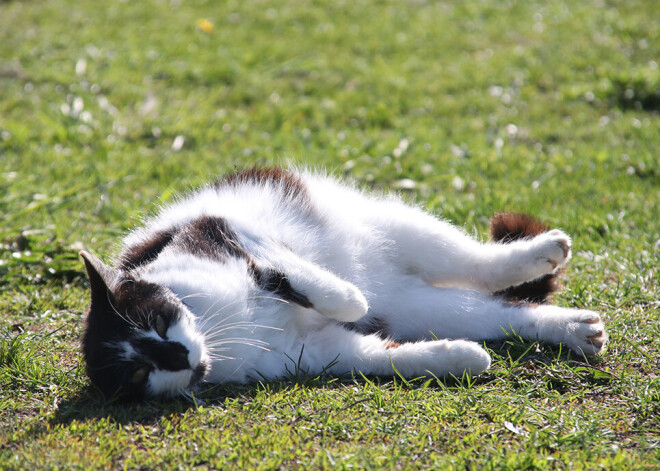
278,283
198,374
289,182
170,356
370,325
507,227
147,251
212,237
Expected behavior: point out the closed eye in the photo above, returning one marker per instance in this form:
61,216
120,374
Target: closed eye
161,326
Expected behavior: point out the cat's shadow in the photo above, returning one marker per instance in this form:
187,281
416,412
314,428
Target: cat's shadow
512,359
90,404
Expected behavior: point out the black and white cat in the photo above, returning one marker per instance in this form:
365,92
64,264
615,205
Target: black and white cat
264,268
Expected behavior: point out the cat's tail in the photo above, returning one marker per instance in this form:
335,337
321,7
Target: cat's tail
507,227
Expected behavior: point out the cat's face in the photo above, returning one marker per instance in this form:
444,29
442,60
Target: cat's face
140,341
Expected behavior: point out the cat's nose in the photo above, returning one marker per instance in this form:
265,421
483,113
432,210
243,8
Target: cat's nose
166,355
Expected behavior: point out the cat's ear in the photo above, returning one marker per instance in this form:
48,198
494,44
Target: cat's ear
103,279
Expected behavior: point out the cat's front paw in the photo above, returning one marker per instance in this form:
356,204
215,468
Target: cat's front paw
344,302
467,357
456,357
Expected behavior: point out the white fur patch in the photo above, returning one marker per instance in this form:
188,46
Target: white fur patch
152,334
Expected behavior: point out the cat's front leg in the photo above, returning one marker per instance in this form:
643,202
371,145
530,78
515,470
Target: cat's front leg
440,358
330,295
324,291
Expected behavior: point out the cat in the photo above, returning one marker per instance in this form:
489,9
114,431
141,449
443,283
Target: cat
269,270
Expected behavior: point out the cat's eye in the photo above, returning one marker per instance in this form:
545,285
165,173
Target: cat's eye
139,374
161,327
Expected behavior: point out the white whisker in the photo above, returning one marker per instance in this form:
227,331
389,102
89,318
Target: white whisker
217,330
195,295
233,339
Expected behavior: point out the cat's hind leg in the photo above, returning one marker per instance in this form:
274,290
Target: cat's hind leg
420,311
442,254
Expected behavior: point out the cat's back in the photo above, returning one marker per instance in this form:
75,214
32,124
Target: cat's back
252,201
307,213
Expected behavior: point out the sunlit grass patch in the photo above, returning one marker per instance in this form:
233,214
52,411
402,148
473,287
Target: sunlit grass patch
469,108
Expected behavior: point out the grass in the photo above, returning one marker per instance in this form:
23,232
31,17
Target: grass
470,107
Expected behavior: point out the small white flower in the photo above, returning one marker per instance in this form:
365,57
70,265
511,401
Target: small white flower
177,145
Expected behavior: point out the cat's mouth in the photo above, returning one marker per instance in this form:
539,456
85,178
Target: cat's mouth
198,375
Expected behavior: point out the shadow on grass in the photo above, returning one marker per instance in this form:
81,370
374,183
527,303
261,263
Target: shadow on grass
518,362
90,404
538,368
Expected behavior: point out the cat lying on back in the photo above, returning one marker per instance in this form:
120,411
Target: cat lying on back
240,279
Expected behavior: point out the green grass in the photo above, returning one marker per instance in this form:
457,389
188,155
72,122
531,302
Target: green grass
551,108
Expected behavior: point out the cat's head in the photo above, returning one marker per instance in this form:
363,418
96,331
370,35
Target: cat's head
140,340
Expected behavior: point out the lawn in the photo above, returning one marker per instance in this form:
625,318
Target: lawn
469,107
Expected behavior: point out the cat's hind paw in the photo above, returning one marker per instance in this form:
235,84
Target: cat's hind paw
587,334
582,331
552,250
